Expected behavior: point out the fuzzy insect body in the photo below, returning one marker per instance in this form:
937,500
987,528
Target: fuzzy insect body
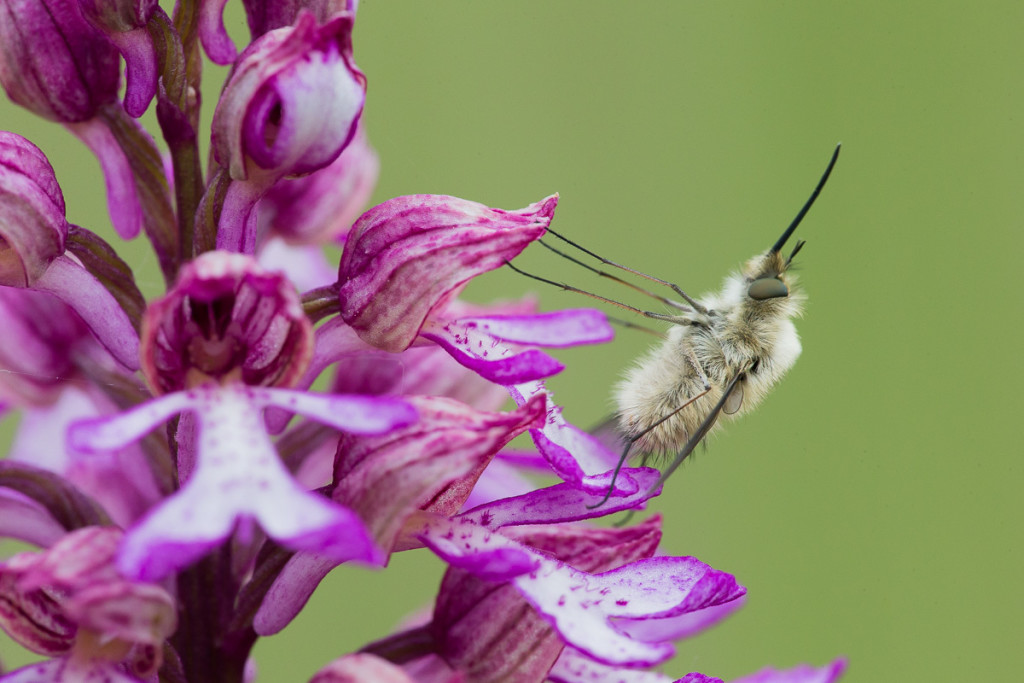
735,334
722,355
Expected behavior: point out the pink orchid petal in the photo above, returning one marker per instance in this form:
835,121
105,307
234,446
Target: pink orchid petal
557,329
136,46
123,202
292,102
109,433
477,550
573,666
581,606
214,37
85,670
500,480
28,521
574,455
305,266
488,357
291,590
75,286
356,414
680,626
403,257
522,367
238,477
800,674
429,465
362,668
321,207
236,227
561,503
138,613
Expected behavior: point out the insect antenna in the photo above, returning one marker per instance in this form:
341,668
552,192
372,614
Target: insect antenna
781,242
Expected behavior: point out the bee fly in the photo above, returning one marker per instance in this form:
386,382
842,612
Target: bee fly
722,354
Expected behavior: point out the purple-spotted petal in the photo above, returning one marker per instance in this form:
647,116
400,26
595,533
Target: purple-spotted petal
582,606
429,465
489,632
800,674
561,503
680,626
409,254
557,329
355,414
490,345
573,667
238,478
477,550
109,433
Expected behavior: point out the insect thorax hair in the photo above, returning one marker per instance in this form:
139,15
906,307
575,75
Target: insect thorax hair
737,333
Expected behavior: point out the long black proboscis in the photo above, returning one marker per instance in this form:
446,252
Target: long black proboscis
807,205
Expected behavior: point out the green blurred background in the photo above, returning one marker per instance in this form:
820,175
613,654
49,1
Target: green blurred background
872,504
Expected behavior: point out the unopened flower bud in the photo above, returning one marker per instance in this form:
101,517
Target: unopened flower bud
53,62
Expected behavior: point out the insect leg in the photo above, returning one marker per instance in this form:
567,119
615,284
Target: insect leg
569,288
603,273
702,430
633,439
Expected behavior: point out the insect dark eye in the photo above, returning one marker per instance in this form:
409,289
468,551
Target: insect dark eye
767,288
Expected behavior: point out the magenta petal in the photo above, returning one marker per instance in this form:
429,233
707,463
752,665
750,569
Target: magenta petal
236,227
527,366
356,414
481,552
799,674
584,608
682,625
557,329
123,202
291,590
64,670
117,431
404,256
80,290
580,606
136,47
214,37
561,503
238,478
362,667
573,666
26,520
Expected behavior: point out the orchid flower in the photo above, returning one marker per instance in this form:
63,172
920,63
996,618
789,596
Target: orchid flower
184,484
